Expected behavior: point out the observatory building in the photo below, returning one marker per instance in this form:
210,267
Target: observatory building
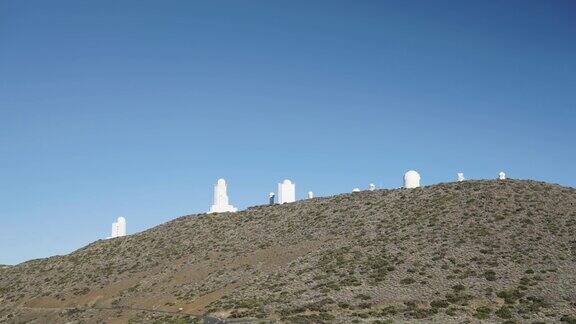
221,199
372,187
411,179
271,197
502,176
460,177
310,195
286,192
119,227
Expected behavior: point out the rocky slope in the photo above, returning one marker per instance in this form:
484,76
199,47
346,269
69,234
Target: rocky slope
476,250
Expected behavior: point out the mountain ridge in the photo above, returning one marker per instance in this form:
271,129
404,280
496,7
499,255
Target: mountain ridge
473,250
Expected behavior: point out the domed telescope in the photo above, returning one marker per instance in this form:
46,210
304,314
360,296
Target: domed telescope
411,179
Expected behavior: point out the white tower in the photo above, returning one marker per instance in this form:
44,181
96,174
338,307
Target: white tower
119,227
460,177
221,204
372,187
286,192
411,179
310,195
114,230
502,176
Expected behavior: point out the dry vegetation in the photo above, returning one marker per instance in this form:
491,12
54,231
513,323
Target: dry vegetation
499,251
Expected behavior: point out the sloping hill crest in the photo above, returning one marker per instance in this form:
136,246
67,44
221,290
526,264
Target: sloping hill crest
473,250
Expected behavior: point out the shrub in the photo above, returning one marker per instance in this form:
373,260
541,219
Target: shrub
504,312
421,313
568,319
482,312
510,296
388,310
451,311
439,304
458,287
490,275
363,297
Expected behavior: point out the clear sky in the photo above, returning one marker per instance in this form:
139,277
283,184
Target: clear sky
136,108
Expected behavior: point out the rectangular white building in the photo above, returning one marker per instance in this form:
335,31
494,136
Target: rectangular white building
286,192
119,227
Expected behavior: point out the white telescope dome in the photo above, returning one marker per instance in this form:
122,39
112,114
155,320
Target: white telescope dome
411,179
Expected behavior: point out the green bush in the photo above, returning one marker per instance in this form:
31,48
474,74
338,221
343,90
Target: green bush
510,296
504,312
458,287
482,312
490,275
568,319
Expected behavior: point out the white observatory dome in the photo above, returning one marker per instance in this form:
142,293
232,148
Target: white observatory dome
411,179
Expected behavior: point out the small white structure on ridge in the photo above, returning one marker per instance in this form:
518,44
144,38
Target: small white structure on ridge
460,177
411,179
119,227
356,190
502,176
221,204
310,195
271,197
286,192
372,187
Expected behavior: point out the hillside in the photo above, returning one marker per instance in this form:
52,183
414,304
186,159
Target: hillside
474,250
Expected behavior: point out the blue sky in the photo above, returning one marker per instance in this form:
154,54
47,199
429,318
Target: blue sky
136,108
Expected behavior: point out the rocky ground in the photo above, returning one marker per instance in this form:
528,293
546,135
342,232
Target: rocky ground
493,251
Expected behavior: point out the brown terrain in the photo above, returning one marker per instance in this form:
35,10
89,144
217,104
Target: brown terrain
473,251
